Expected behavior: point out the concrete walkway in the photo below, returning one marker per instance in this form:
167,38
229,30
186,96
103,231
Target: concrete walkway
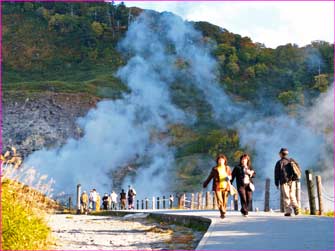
264,231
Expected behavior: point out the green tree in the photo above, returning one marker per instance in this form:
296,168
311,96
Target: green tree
97,28
233,68
250,72
321,82
291,97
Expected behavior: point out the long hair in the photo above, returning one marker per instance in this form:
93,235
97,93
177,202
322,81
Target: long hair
221,156
247,157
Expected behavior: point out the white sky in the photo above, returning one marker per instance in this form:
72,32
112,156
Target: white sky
271,23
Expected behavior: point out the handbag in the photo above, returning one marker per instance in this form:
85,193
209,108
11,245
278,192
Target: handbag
252,187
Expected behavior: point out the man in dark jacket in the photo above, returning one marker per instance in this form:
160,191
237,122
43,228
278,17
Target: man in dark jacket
284,178
105,201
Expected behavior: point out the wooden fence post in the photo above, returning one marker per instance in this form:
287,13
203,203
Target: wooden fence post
171,201
153,203
311,192
70,203
208,198
200,200
298,193
267,196
319,191
192,201
180,201
163,202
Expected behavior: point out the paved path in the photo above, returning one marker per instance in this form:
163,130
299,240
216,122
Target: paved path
265,231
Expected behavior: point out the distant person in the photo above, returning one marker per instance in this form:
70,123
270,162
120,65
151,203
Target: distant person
90,200
98,205
109,202
171,199
105,199
131,197
113,197
284,176
123,199
84,202
221,175
244,173
93,198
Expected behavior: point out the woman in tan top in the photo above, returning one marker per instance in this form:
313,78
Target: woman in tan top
221,175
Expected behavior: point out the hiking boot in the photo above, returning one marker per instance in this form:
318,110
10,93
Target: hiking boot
223,216
296,210
287,214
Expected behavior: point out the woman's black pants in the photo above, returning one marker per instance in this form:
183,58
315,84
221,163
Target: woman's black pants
245,198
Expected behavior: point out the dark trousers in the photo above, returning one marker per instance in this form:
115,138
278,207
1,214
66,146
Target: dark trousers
245,198
105,203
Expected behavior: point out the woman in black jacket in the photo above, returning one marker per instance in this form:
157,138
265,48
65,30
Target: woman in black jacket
244,173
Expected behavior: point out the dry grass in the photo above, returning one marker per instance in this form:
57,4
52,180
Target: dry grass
183,239
24,208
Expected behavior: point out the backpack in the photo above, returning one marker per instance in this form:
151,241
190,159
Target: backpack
294,170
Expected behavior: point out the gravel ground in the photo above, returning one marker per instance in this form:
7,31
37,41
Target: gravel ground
87,232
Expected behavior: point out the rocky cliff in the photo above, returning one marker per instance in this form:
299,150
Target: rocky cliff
42,120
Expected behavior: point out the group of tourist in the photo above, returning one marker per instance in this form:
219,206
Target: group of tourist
285,173
94,202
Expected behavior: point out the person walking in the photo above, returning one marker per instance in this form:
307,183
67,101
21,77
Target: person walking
131,197
171,199
244,174
284,176
105,199
94,198
98,203
90,201
123,199
221,175
114,200
84,202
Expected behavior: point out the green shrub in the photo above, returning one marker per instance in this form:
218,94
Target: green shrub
329,214
24,209
22,227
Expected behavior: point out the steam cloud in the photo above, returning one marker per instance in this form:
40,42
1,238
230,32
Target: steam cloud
309,140
118,132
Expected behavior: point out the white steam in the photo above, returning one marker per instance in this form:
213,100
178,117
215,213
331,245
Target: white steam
118,132
309,139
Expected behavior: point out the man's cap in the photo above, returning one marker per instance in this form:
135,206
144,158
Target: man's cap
283,150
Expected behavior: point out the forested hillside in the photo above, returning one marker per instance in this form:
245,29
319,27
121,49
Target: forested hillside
58,41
